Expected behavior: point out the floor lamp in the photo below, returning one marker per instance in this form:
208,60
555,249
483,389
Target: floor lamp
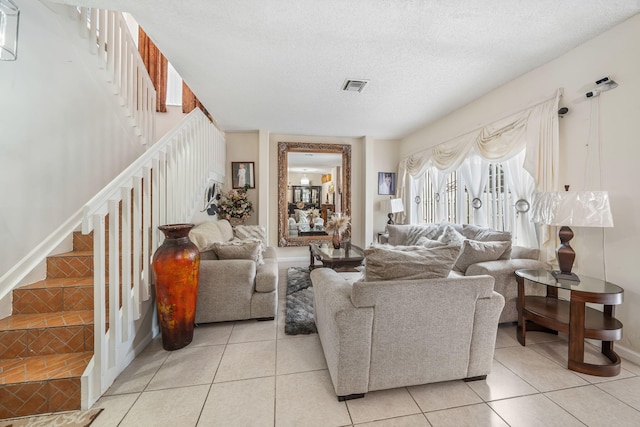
571,208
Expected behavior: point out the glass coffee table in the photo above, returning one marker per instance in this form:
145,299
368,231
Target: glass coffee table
343,258
573,316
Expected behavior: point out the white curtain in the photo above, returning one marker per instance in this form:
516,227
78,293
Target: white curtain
522,187
475,172
535,128
438,182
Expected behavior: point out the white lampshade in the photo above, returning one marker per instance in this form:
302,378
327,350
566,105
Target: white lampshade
304,180
572,208
392,206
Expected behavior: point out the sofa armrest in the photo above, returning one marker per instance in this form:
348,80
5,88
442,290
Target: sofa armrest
524,253
225,290
344,331
267,276
485,329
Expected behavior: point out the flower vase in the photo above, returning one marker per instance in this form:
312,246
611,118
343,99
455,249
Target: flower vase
336,239
176,265
236,221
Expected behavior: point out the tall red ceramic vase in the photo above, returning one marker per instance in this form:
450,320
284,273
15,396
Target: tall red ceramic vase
176,265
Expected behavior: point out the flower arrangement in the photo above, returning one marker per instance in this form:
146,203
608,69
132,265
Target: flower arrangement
339,224
235,204
313,214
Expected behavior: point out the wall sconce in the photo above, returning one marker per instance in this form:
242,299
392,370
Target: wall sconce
9,18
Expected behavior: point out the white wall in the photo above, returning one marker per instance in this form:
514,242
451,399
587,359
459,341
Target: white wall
61,137
243,147
614,54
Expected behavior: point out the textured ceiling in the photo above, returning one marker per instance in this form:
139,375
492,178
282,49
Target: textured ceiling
280,65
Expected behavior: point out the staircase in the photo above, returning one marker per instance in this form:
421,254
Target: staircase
47,343
71,334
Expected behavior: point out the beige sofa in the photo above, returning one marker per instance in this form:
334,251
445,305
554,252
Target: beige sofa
387,334
243,285
501,269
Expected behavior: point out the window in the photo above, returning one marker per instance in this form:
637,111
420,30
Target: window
496,200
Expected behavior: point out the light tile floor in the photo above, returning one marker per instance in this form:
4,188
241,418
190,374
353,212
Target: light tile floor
251,374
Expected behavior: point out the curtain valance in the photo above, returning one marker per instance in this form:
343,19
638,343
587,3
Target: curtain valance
534,128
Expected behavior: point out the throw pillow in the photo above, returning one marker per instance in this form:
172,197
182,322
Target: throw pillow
428,243
244,232
451,237
474,251
473,232
205,235
408,262
240,249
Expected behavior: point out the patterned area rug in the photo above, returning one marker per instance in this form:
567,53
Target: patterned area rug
67,419
299,314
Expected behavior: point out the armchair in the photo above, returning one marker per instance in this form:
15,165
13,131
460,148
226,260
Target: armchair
387,334
233,289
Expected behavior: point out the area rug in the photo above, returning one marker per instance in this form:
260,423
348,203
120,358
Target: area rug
67,419
299,313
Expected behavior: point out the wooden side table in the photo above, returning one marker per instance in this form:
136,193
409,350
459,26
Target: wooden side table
573,317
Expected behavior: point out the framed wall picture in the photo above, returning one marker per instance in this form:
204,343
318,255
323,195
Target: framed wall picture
387,183
242,173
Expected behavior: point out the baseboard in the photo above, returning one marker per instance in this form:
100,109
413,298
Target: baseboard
627,354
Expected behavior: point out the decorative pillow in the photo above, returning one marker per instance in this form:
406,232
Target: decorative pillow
408,262
244,232
428,243
240,249
451,237
225,229
473,232
205,235
474,251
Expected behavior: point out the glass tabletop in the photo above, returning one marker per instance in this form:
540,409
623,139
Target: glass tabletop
586,283
326,251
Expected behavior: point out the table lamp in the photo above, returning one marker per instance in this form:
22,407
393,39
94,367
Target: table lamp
392,206
571,208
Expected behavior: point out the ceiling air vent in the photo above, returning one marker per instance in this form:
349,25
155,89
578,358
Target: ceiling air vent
351,85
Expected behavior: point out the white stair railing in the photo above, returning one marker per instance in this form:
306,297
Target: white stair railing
165,185
109,38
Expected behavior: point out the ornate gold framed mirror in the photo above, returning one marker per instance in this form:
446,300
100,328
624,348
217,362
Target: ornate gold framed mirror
314,182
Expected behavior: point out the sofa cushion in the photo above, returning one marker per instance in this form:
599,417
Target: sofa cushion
450,236
240,249
408,262
244,232
225,229
473,232
206,234
428,243
474,251
408,235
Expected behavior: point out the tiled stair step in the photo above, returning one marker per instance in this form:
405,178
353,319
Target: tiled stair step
25,335
84,242
74,264
41,384
50,295
70,264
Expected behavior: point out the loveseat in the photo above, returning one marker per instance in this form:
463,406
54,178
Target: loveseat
385,334
483,251
238,273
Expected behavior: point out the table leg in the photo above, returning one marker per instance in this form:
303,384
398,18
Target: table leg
576,332
311,263
522,327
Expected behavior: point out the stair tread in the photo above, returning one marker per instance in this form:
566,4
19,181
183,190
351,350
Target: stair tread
46,320
40,368
71,282
71,254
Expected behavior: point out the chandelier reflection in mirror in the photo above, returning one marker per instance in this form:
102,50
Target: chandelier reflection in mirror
9,18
